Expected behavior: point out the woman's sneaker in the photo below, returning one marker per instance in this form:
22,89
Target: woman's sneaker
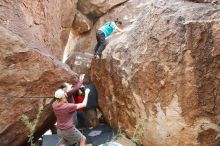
97,57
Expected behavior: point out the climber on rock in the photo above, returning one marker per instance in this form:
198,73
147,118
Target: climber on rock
102,33
81,113
63,110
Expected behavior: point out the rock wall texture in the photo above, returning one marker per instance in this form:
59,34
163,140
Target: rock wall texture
42,24
96,8
32,39
159,79
27,77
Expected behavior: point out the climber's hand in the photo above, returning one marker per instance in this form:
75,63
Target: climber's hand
87,91
81,77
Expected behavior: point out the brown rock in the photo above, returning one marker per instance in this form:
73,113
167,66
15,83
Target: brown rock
80,62
97,7
158,81
27,77
81,23
92,117
67,12
39,23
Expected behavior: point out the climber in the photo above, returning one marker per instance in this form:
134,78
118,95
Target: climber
63,110
81,113
105,31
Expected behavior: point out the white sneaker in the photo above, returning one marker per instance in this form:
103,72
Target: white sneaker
97,56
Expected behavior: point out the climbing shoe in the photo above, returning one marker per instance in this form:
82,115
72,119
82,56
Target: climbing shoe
97,56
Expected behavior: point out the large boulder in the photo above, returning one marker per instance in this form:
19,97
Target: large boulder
81,23
96,8
42,24
159,80
33,34
80,62
28,80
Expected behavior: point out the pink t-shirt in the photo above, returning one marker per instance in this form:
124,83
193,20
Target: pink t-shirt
64,114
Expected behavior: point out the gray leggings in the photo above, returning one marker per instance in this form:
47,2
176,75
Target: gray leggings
101,43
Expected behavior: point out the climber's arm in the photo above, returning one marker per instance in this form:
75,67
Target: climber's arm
85,100
118,29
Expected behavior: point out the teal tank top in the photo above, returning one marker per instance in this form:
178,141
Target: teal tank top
108,28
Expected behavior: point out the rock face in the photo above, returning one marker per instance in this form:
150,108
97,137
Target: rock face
32,38
80,62
81,23
97,8
42,24
27,77
159,79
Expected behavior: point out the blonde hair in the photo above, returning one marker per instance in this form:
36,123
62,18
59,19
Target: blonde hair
60,100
